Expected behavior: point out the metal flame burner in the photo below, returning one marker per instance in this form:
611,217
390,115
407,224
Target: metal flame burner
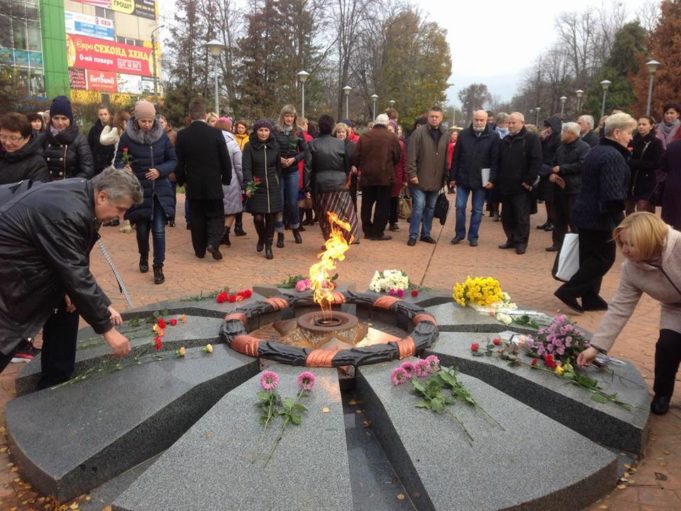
319,323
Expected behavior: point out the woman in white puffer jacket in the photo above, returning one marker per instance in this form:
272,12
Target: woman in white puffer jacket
111,135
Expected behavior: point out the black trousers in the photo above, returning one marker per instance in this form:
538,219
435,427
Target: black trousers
667,358
394,204
57,360
561,213
515,217
597,251
375,219
208,224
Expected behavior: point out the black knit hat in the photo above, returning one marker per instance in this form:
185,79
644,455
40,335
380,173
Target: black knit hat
263,123
61,106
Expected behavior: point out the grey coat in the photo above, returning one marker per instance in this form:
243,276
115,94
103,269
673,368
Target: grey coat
232,191
426,159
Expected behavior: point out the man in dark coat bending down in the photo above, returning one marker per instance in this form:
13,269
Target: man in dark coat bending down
46,234
203,164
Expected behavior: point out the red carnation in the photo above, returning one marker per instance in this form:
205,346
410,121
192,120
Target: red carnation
173,322
247,293
475,347
231,298
414,293
158,344
221,297
496,341
534,362
548,360
161,323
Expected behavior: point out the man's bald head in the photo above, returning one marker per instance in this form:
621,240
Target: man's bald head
479,120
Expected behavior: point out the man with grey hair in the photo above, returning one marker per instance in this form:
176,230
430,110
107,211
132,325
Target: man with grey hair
566,176
46,234
520,159
586,130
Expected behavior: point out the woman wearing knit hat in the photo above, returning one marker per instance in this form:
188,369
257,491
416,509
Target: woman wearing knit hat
65,149
262,177
152,159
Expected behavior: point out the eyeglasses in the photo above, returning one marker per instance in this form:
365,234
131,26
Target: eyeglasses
13,139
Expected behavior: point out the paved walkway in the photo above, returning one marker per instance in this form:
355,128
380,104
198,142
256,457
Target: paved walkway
654,484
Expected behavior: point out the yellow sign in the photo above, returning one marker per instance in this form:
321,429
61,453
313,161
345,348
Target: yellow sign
125,6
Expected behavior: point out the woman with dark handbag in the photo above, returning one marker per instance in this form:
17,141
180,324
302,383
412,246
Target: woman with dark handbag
645,159
653,266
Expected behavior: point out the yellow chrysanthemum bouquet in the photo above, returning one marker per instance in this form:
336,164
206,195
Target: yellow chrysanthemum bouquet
481,291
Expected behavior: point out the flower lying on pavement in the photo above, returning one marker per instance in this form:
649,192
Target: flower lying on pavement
208,348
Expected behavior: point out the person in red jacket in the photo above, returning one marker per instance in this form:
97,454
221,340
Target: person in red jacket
451,149
400,180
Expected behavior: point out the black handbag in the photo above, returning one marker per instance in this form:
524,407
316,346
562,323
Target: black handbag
441,207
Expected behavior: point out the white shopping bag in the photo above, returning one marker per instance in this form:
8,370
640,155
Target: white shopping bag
567,261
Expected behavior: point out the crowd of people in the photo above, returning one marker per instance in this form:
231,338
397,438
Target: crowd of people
293,172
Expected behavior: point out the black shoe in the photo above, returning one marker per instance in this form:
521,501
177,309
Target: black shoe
594,304
239,232
544,225
171,223
383,237
428,239
200,255
548,227
280,240
260,246
394,227
296,236
568,300
144,264
507,245
225,238
268,252
159,278
473,243
552,248
411,242
456,240
521,249
301,228
215,252
660,405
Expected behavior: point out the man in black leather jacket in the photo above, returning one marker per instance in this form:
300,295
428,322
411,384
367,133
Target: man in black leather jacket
46,234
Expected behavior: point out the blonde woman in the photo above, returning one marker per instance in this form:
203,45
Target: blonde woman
653,266
212,119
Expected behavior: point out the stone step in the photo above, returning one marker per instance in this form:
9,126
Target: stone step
212,467
69,439
533,464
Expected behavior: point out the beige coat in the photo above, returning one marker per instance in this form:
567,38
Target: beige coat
426,160
639,278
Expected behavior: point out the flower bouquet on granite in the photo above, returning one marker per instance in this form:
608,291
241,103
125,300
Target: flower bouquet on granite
438,388
394,282
224,296
485,295
273,406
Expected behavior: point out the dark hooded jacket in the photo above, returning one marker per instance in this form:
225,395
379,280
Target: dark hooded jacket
67,154
519,162
46,234
549,147
645,159
151,150
260,163
26,163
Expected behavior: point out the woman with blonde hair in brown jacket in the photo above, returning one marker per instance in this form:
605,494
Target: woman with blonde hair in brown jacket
653,266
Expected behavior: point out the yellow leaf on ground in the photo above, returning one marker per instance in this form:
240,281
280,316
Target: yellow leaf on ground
326,409
400,496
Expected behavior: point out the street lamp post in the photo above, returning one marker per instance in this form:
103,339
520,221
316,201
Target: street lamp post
579,93
215,48
537,120
153,56
302,76
563,99
374,97
605,84
392,103
347,90
652,68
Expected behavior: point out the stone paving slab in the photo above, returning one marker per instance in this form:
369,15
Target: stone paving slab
70,439
534,464
572,406
211,467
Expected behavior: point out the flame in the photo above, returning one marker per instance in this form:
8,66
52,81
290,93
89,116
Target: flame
321,273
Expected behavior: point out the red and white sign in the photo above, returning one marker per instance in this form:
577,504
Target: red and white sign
103,81
77,78
100,55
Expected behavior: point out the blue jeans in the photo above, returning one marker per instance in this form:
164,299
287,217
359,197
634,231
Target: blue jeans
289,198
462,193
422,209
156,224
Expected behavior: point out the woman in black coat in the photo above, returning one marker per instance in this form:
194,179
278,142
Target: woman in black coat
262,181
64,148
152,159
645,159
21,158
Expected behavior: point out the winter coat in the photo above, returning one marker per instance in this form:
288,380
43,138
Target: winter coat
326,165
645,160
149,150
549,146
474,153
375,155
667,139
648,278
102,154
46,234
427,159
110,137
232,192
301,164
202,161
569,158
591,138
67,154
671,203
400,171
605,175
242,140
26,163
520,160
261,163
291,145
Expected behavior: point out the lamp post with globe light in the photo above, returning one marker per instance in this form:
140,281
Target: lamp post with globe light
302,77
215,48
652,68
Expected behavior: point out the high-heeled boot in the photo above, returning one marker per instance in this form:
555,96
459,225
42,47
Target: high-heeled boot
225,238
159,278
238,225
260,229
280,240
296,236
269,238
